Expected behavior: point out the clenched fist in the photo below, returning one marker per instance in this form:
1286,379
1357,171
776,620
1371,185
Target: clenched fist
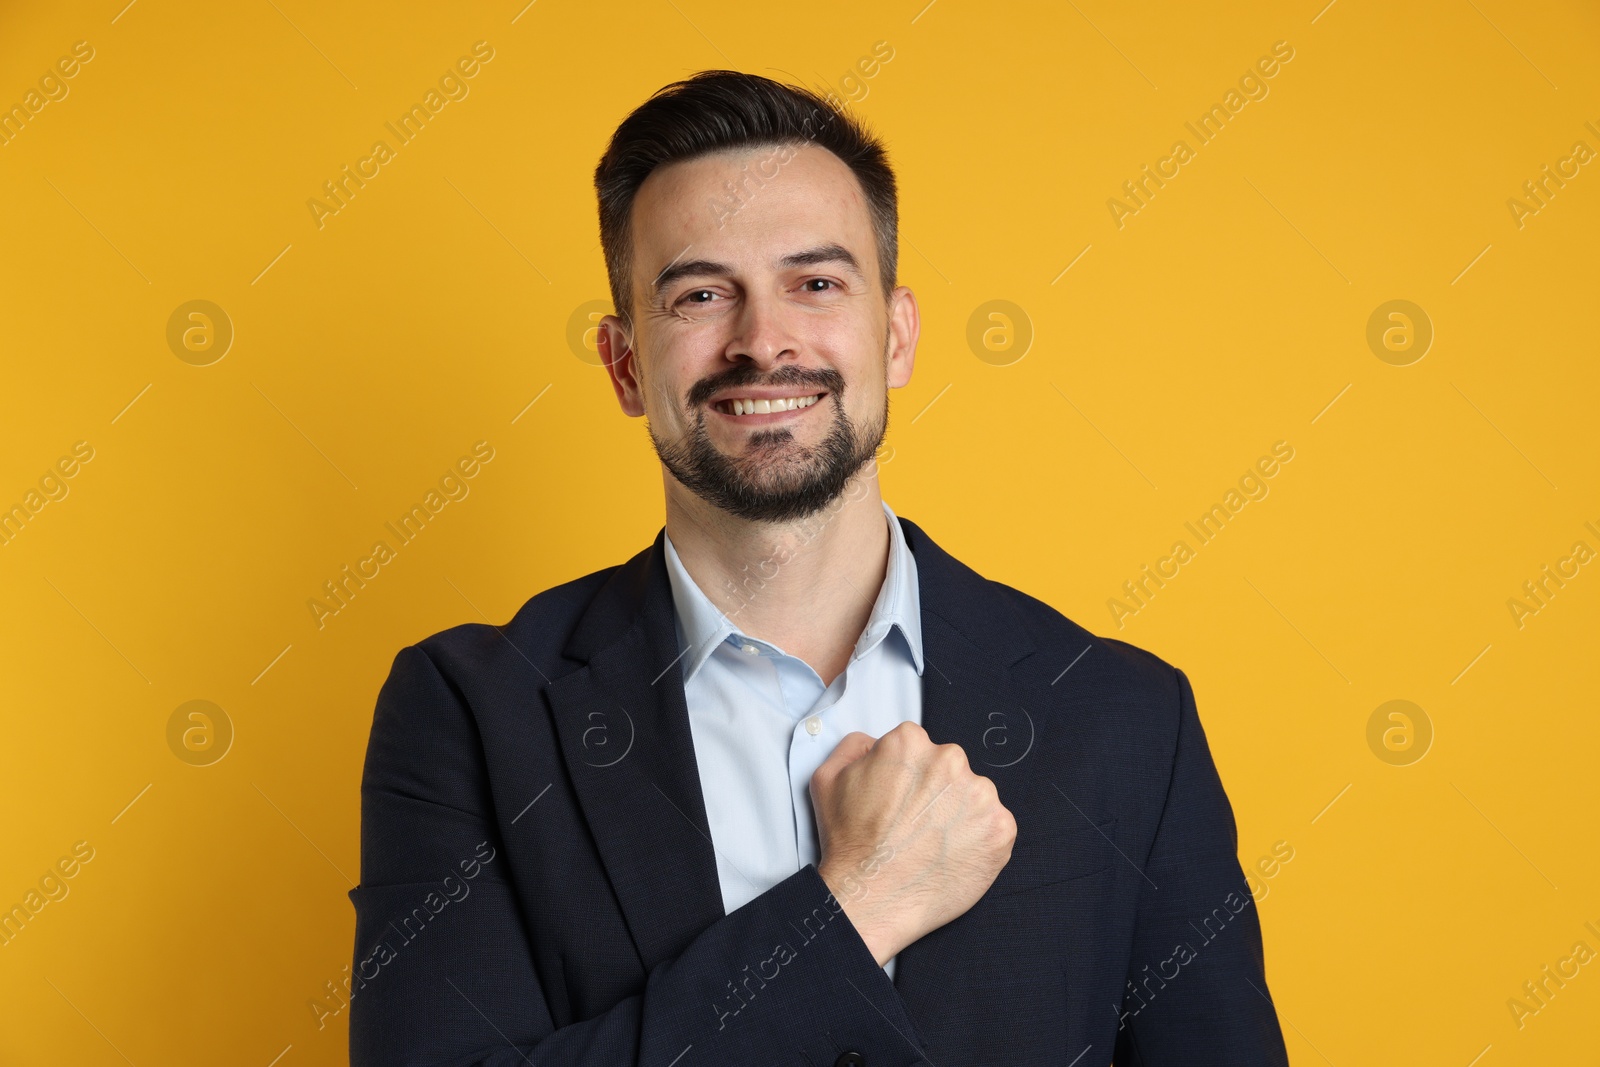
910,836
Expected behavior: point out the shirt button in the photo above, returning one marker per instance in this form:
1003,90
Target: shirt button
750,649
813,726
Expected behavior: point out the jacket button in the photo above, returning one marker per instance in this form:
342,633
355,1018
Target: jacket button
851,1059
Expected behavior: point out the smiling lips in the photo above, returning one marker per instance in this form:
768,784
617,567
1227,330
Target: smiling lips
741,406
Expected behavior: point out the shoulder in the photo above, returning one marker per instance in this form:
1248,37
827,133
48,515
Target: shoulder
531,642
1115,714
1065,660
457,696
1055,633
1069,659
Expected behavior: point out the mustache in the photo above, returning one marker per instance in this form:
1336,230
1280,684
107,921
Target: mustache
823,379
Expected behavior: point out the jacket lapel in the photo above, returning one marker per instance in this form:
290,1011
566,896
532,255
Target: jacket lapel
623,724
970,639
624,729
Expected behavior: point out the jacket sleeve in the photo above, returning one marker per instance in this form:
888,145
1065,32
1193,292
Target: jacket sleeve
444,971
1196,991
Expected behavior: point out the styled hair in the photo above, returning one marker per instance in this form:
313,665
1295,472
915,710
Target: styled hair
719,110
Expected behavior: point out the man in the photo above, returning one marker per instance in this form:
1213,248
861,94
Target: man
792,785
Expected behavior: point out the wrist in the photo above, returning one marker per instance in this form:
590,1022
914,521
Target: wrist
864,918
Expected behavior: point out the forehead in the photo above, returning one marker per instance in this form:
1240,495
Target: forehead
792,199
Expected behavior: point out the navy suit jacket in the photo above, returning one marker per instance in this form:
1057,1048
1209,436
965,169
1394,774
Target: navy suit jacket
538,883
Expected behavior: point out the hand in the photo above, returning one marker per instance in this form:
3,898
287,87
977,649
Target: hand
910,836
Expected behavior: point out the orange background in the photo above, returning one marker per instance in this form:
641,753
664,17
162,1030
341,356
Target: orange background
1166,356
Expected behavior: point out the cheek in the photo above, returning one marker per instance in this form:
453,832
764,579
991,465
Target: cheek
666,389
865,395
666,412
871,366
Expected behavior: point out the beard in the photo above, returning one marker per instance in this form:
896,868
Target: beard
774,480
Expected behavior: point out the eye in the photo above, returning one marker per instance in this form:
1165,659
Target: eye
818,281
690,296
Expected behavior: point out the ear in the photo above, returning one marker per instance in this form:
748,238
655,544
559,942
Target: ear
905,326
615,346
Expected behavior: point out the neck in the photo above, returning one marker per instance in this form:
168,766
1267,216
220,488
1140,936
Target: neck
807,586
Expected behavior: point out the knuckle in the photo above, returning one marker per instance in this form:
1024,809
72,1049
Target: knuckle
909,732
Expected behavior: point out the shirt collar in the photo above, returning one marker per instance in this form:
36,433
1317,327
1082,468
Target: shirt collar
702,626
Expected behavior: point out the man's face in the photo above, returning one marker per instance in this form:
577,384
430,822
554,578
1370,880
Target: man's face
774,301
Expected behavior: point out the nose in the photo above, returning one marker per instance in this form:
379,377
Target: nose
762,332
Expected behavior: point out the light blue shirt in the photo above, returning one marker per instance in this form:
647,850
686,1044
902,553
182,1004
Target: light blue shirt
763,722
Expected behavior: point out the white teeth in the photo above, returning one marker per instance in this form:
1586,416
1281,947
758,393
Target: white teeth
761,407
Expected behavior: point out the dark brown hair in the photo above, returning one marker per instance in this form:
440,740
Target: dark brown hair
717,110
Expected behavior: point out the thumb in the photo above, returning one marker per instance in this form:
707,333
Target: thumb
851,747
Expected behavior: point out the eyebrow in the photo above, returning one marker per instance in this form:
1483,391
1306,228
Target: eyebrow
693,268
